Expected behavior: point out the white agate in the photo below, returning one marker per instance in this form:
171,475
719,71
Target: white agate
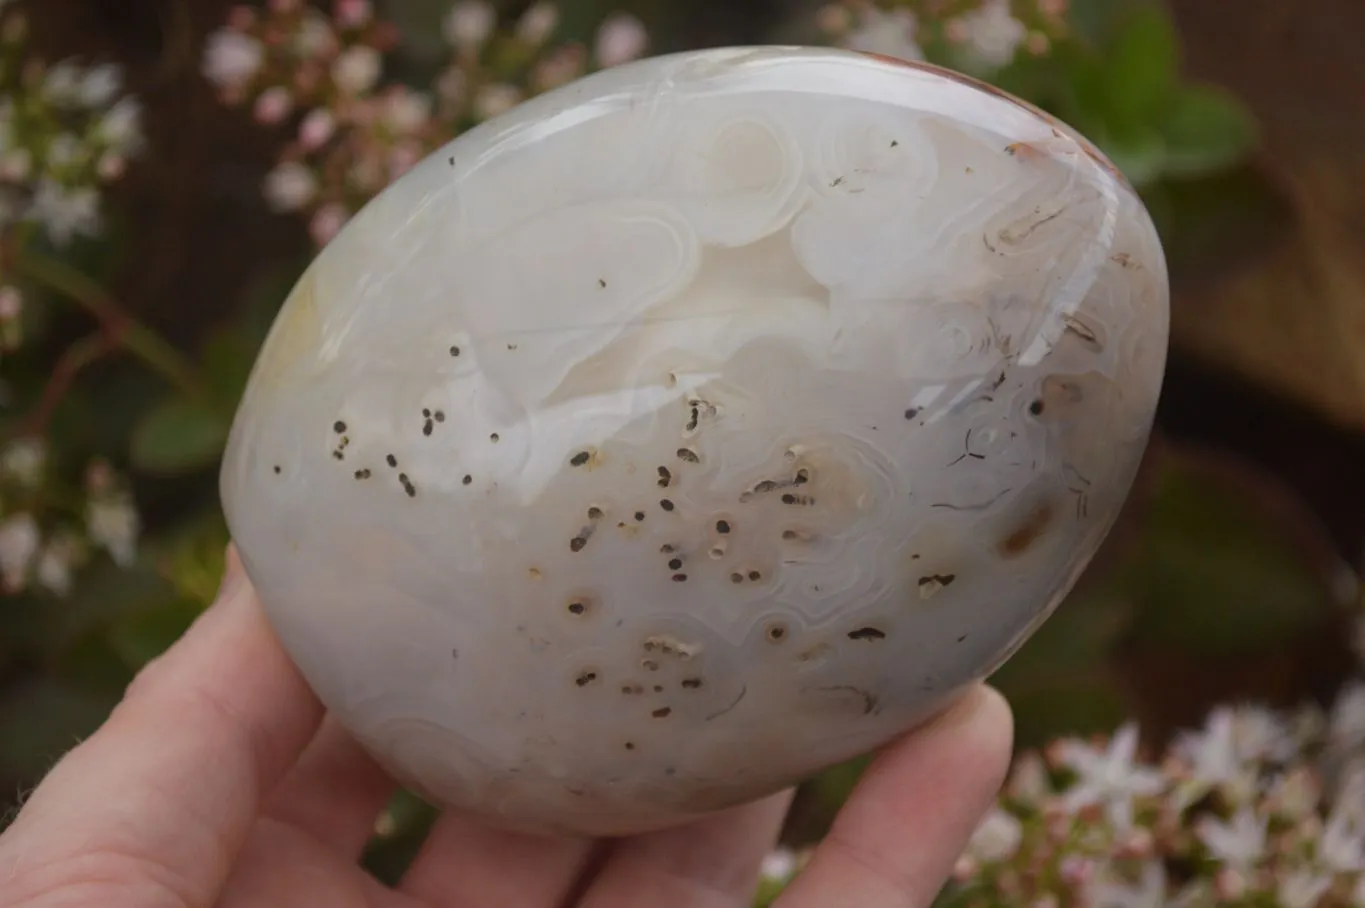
695,426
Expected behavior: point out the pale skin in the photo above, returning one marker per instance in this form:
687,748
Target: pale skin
220,781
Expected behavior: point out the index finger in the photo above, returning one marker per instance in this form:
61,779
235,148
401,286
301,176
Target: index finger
153,807
912,813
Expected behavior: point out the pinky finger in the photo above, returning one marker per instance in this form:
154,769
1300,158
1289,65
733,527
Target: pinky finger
895,842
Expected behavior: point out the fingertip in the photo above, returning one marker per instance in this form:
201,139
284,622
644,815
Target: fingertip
715,860
981,706
990,719
974,736
992,723
904,826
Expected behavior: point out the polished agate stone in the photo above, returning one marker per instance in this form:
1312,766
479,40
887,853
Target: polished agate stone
695,426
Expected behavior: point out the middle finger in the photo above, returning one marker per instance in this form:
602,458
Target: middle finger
465,863
711,863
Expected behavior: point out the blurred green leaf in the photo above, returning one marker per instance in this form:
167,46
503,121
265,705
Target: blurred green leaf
830,789
99,414
1078,706
104,595
91,663
768,891
1219,571
1095,21
227,359
1141,156
1073,644
1210,226
1206,130
141,637
1059,681
403,828
1141,71
180,435
194,555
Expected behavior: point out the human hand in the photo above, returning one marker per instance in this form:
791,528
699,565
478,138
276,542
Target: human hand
218,781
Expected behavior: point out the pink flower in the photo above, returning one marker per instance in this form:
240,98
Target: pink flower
1037,44
367,173
273,105
452,85
11,303
1076,870
537,24
496,98
326,223
1138,844
353,13
290,186
1229,885
834,19
1295,794
111,166
315,38
406,112
241,18
317,127
403,157
232,58
469,24
558,67
15,164
357,69
99,478
620,39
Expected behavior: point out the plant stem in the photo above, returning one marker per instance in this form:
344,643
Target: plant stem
75,358
125,331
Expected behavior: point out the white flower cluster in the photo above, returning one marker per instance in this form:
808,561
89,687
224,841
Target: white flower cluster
990,32
985,35
1255,808
39,549
66,132
355,134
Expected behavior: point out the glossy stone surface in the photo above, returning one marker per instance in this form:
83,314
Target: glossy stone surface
703,423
